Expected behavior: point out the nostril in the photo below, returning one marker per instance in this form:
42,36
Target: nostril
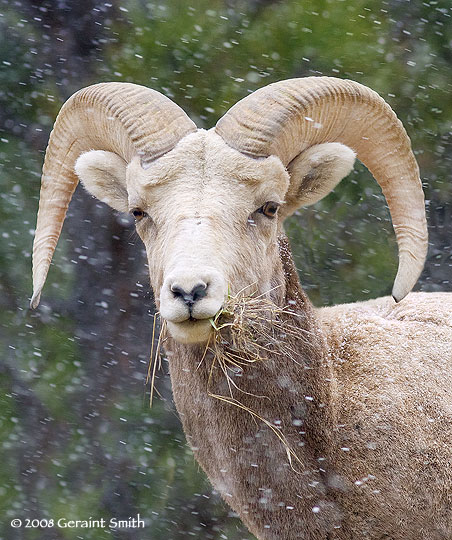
198,292
177,291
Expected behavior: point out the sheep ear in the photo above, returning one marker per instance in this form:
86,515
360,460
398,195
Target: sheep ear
314,173
104,175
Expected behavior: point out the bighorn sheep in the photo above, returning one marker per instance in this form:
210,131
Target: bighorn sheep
364,402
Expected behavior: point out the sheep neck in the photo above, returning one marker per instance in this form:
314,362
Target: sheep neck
244,458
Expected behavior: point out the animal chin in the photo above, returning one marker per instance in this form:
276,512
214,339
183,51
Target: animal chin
190,331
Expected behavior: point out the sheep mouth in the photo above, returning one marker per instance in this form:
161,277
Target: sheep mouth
190,331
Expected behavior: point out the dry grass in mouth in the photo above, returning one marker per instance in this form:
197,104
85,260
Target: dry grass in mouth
249,328
246,330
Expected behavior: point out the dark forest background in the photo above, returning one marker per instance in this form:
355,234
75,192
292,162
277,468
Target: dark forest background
77,436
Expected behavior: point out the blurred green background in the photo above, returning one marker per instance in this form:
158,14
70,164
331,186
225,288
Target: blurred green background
77,436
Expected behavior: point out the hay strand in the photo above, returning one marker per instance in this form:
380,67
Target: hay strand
155,360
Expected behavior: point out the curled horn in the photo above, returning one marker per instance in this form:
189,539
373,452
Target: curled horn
287,117
124,118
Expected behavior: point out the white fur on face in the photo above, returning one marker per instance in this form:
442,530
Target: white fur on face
203,233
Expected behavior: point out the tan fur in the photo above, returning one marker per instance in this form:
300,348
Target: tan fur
364,400
242,457
377,454
393,407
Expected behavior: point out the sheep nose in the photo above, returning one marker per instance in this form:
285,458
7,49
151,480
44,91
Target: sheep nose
196,293
189,298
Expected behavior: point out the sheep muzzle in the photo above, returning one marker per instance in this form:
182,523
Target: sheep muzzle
189,297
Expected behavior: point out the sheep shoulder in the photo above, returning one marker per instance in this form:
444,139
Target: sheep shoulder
392,405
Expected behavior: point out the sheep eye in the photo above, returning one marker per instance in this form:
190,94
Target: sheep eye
138,214
269,209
